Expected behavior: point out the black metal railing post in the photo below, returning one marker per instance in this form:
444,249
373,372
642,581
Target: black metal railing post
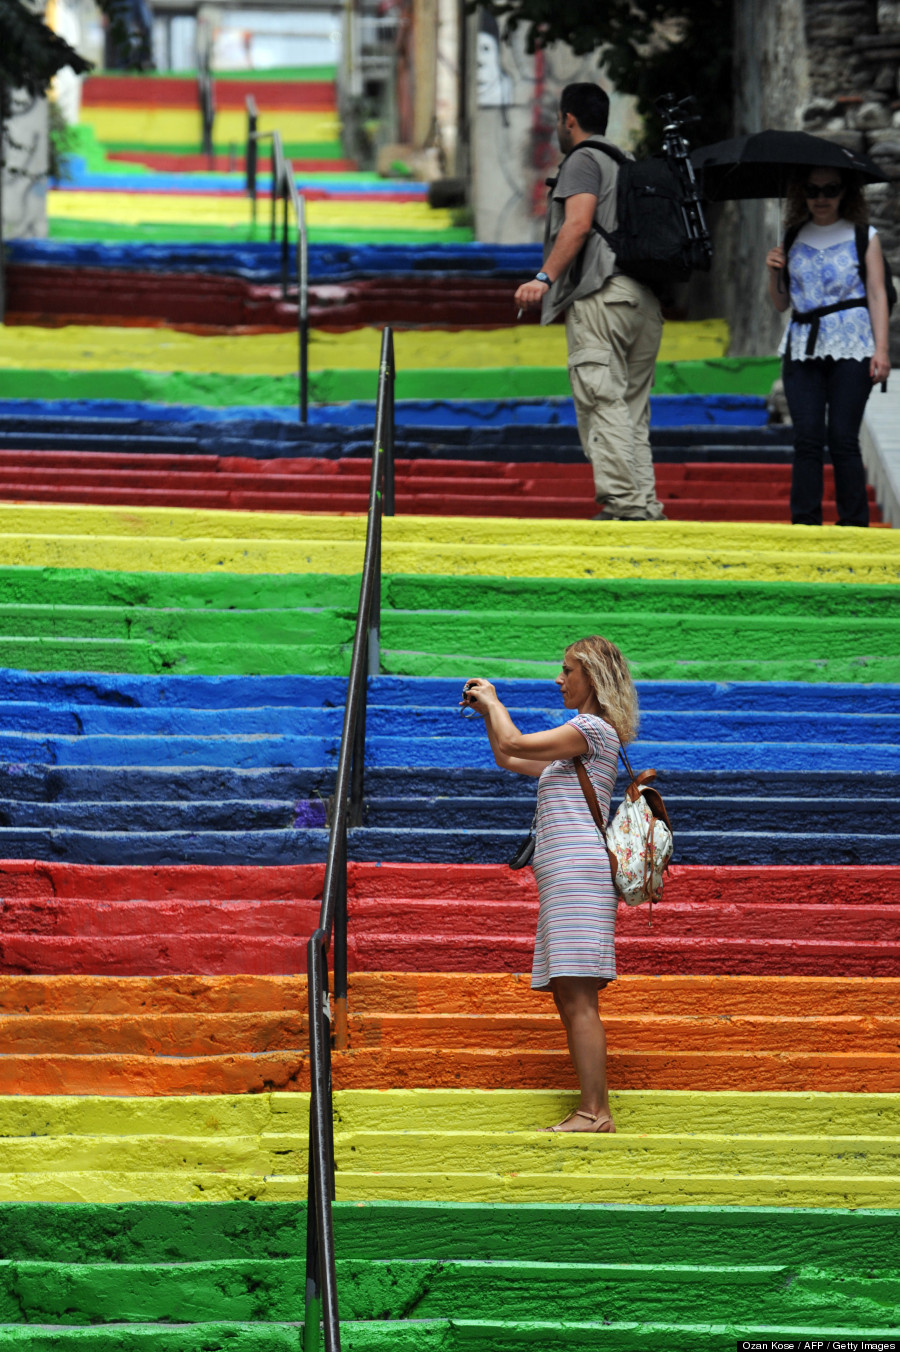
251,157
389,490
285,244
321,1307
207,100
340,1027
321,1282
303,308
277,175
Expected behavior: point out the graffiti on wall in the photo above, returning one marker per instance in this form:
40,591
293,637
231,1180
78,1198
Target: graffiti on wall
517,95
25,151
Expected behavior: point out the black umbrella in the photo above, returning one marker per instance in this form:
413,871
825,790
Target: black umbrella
763,164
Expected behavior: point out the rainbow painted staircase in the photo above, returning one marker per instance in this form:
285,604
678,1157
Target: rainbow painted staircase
170,709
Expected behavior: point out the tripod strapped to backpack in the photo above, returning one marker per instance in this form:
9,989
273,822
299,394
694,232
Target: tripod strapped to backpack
677,115
661,235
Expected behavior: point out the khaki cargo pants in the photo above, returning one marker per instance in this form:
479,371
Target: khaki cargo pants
613,337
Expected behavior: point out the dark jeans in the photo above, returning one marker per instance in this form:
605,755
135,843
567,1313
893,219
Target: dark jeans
827,399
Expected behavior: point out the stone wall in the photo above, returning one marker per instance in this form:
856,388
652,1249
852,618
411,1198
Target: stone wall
854,58
830,67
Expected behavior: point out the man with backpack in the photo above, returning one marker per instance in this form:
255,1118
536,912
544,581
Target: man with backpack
613,321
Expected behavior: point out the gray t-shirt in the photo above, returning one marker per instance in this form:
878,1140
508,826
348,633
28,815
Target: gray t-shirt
584,171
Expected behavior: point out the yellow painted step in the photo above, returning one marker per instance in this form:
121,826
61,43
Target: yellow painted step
670,1148
95,348
189,523
188,541
183,126
148,208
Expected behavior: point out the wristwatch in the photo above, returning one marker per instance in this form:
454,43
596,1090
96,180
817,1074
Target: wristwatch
542,277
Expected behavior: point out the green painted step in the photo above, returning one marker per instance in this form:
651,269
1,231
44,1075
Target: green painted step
156,1232
333,385
147,625
183,658
643,637
225,1276
407,592
185,591
861,670
637,595
271,1290
160,233
455,1335
219,623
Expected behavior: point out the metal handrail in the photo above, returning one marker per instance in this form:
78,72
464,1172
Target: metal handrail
206,93
207,100
284,188
321,1288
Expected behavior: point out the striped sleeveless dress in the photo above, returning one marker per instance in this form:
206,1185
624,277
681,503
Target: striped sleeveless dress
577,912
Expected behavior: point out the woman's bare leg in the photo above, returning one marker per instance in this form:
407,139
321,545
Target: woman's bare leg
576,1000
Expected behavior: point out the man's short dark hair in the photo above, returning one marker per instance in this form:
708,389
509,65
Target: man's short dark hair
588,104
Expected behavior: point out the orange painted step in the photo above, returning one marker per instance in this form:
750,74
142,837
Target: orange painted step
243,1035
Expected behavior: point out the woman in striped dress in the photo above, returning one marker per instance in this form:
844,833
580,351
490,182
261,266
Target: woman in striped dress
574,956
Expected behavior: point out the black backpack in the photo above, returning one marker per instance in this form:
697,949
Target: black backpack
862,244
651,240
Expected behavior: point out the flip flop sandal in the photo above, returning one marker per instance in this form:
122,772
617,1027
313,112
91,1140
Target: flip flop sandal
601,1123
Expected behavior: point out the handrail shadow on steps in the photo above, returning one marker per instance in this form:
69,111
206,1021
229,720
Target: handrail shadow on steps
284,188
346,810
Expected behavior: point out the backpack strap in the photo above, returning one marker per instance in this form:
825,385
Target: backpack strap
790,237
612,151
862,244
587,789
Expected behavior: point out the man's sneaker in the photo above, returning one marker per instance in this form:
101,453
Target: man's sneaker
610,514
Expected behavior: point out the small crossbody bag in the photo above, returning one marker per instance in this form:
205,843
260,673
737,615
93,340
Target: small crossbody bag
523,854
639,838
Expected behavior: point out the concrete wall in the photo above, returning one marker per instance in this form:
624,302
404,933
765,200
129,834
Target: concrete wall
513,128
771,88
24,188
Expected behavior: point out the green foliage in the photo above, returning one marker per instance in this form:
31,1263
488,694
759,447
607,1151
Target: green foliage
31,53
62,144
646,47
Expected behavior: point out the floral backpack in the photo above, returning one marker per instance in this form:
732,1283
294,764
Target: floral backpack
638,840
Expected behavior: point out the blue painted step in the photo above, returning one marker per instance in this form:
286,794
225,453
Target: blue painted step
113,689
261,262
350,436
139,783
436,725
304,846
135,769
726,816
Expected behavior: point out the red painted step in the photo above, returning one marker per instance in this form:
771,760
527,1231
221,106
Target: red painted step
461,488
160,91
80,919
45,294
173,162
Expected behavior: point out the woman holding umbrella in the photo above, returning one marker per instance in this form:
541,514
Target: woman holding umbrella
836,344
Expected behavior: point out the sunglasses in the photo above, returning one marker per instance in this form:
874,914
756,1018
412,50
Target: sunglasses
814,190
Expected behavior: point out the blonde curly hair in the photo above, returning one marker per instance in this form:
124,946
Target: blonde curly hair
609,675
